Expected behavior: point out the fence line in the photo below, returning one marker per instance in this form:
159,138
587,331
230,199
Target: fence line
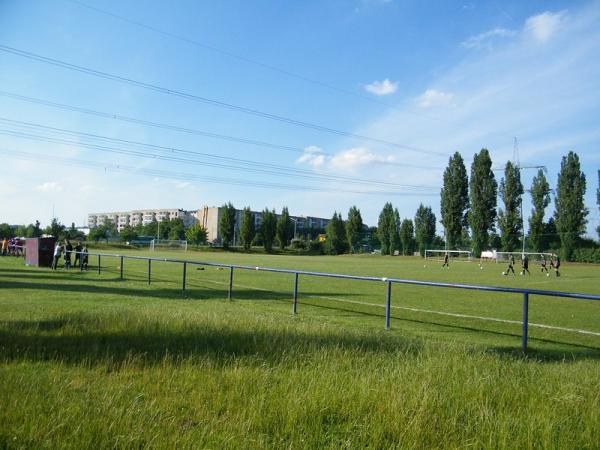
389,282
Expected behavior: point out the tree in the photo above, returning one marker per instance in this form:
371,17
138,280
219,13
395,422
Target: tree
247,228
6,231
268,229
74,234
483,191
176,229
454,200
396,243
285,228
128,234
598,202
570,211
354,228
196,234
55,229
407,236
424,228
227,224
335,231
509,218
540,198
386,227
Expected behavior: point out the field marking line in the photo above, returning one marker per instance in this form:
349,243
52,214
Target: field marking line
427,311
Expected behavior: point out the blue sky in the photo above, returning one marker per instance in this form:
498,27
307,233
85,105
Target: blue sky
429,77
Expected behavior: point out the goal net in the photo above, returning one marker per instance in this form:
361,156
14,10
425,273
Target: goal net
502,257
453,255
164,244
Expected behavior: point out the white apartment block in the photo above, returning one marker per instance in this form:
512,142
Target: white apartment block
140,216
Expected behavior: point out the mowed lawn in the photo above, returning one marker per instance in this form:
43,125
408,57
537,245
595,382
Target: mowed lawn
93,361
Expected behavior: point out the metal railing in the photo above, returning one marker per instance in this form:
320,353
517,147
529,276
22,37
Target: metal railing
389,281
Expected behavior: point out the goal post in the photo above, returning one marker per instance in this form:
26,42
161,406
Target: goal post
164,244
453,255
533,256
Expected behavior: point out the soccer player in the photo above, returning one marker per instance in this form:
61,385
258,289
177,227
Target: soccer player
84,257
57,251
78,248
525,265
446,264
68,251
543,264
511,265
557,265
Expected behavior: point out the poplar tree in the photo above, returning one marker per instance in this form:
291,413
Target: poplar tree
335,232
227,224
285,228
354,228
268,229
540,198
570,211
424,228
385,228
509,218
395,233
483,190
454,202
247,228
407,236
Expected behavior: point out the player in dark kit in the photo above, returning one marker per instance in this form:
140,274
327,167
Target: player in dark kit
511,265
556,265
543,264
446,261
525,265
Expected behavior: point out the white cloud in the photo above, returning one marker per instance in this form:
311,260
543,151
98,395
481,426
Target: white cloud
485,39
313,156
182,184
543,26
433,97
49,186
353,158
384,87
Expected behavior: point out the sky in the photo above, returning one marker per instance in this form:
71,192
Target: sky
314,105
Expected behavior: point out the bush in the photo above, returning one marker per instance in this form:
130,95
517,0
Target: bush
586,255
315,247
298,244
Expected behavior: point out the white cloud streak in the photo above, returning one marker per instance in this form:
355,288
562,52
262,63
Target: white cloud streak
380,88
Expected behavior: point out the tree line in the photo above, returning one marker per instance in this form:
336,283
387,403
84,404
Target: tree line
470,212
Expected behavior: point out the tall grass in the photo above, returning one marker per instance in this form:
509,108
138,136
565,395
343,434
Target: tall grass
106,368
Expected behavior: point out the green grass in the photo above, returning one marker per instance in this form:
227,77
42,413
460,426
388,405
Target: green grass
92,361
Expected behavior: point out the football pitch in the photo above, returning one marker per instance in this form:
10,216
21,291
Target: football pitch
92,360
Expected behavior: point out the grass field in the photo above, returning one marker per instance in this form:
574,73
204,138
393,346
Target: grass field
92,361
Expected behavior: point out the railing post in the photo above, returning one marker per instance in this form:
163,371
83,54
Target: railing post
525,320
98,264
81,262
149,270
295,304
388,305
122,259
183,277
229,294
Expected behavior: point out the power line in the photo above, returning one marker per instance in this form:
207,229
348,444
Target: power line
238,164
179,129
37,158
209,101
230,54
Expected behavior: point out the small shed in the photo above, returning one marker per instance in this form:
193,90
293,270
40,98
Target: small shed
39,251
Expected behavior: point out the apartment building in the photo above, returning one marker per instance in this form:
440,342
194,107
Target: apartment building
208,217
140,216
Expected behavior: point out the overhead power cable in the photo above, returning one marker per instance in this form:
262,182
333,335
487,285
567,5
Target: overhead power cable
191,131
209,101
238,164
37,158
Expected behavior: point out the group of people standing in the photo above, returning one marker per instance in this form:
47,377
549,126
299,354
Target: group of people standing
66,249
11,247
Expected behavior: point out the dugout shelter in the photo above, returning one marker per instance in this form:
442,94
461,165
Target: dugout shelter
39,251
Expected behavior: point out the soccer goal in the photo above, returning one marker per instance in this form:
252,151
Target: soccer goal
534,257
164,244
453,255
